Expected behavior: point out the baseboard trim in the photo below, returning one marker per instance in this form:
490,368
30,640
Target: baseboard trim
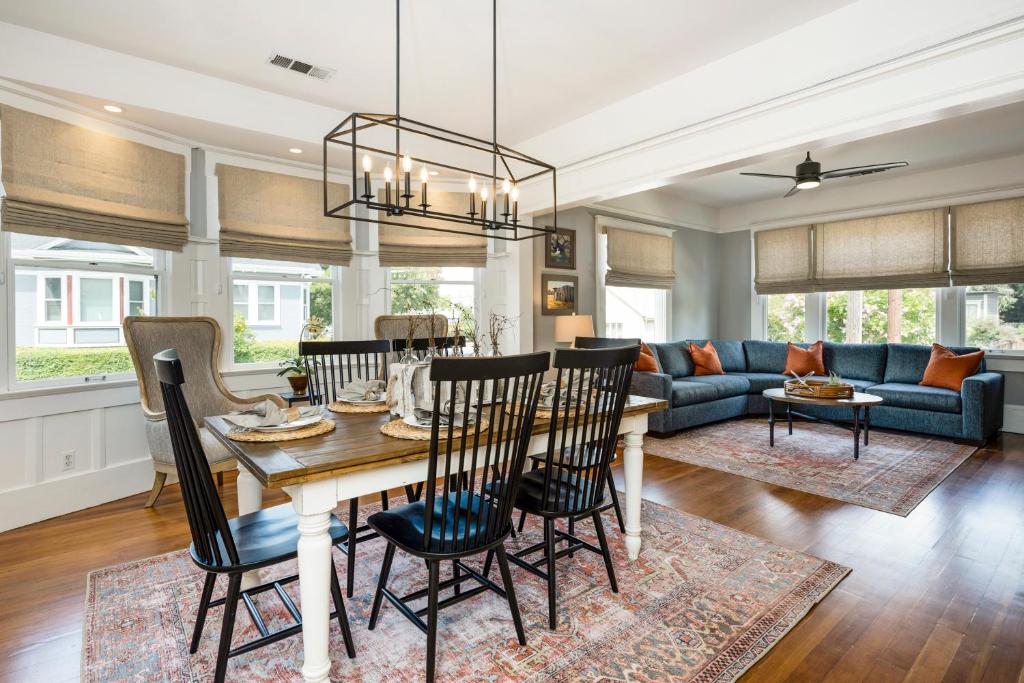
31,504
1013,418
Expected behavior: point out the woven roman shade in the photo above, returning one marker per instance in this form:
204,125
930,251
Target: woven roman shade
783,260
280,217
414,247
63,180
639,259
882,252
988,243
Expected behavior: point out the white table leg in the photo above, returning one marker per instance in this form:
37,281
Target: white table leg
250,499
313,502
633,468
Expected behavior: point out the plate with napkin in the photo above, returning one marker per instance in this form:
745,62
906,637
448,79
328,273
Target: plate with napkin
269,417
364,392
423,418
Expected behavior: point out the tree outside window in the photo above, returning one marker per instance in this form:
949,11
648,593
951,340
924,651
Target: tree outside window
994,315
786,317
880,315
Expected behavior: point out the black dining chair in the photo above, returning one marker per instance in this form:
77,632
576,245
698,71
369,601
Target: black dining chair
603,342
330,365
471,484
446,346
570,481
233,546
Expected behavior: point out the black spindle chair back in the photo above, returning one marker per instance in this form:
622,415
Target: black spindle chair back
585,425
330,365
476,475
211,537
603,342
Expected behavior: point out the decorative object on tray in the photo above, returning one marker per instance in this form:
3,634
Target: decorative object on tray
819,387
560,249
558,294
361,396
267,422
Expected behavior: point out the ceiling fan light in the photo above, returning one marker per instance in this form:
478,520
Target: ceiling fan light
808,184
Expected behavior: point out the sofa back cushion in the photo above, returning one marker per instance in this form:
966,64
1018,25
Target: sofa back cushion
674,358
857,361
765,356
906,363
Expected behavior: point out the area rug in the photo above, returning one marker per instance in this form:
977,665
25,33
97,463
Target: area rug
896,471
703,603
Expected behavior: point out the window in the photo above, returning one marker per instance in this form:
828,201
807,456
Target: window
70,297
880,315
272,301
636,312
787,317
440,289
994,316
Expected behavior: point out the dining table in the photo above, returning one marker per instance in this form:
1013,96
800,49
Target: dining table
356,459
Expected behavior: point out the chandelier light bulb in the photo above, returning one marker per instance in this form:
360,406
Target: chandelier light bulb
423,174
367,163
406,163
387,174
483,193
472,184
515,193
506,186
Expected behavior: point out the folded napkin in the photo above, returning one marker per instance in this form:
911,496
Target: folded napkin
425,416
363,390
549,391
409,387
268,414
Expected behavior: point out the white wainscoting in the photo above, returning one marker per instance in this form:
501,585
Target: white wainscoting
1013,418
104,430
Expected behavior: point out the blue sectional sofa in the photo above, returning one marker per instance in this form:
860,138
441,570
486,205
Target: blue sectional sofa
892,371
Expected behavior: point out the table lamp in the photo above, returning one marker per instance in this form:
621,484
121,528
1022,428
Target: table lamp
568,327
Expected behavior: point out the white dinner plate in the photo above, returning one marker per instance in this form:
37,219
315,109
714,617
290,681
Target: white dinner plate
289,426
363,403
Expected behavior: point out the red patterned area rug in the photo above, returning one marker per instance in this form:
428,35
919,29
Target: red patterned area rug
896,471
703,603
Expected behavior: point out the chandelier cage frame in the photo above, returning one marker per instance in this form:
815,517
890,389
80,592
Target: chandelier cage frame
499,227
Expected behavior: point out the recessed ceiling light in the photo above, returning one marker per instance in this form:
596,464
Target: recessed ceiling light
113,108
295,150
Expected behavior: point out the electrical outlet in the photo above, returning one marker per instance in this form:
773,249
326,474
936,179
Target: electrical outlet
69,460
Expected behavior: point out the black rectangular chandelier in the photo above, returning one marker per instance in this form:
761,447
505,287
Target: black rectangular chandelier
492,204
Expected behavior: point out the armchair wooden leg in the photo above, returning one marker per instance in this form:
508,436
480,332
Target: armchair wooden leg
220,480
158,485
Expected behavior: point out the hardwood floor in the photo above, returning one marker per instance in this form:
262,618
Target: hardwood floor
936,596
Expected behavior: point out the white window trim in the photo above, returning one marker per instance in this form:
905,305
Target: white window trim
147,301
252,302
41,320
601,267
76,300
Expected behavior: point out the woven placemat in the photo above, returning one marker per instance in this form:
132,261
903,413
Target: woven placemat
541,414
342,407
400,430
321,427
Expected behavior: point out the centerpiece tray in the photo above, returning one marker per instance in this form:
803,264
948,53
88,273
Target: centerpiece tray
818,388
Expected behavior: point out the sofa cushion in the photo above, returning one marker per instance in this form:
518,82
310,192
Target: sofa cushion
725,385
730,353
674,358
687,393
906,362
759,381
856,361
917,397
646,362
948,370
804,360
860,384
764,356
705,359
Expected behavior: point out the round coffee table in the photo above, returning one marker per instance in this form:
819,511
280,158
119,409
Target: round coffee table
856,403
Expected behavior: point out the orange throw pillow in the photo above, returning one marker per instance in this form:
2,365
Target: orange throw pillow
705,359
646,361
947,369
803,361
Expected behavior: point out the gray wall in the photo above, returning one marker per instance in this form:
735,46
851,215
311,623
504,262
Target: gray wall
695,303
734,285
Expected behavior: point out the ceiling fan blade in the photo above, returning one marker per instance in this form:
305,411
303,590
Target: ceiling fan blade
792,192
770,175
862,170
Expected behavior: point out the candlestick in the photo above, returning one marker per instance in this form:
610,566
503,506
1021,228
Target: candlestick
472,196
506,188
515,205
423,187
367,167
483,205
387,186
407,168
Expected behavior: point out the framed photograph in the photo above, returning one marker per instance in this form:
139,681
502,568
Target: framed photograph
558,294
560,249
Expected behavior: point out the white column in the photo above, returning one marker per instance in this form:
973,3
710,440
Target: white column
313,503
250,499
633,468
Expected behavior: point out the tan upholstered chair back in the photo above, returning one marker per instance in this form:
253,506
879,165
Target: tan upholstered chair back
397,326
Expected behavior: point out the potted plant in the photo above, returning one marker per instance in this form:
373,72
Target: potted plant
295,371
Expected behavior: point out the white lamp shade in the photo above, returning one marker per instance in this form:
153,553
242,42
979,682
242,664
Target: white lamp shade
568,327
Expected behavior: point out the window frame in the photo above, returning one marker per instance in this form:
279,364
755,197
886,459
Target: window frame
475,282
41,278
159,272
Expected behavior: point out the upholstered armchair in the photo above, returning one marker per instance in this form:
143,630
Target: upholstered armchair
397,326
197,340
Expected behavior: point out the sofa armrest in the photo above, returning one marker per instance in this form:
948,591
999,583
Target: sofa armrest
982,398
652,384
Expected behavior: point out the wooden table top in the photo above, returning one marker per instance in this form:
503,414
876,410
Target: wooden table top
858,399
355,444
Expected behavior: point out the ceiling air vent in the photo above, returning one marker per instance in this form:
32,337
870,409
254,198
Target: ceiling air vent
320,72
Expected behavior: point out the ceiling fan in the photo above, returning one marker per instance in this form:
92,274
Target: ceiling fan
809,174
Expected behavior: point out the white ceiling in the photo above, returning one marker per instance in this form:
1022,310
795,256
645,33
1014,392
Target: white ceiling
979,136
556,60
